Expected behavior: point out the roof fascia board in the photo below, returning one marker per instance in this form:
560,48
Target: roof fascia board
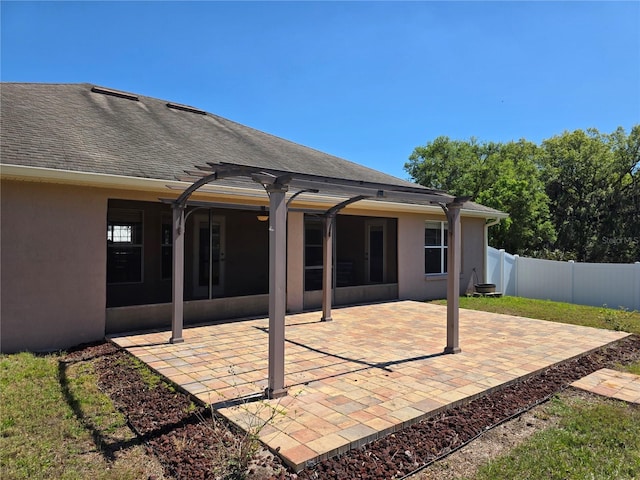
486,215
70,177
121,182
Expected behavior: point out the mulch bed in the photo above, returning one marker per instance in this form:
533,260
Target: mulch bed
191,445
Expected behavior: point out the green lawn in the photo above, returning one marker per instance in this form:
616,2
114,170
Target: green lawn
599,317
633,368
596,438
55,424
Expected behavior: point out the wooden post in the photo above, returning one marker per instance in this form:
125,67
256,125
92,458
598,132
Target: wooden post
277,288
453,277
327,270
177,314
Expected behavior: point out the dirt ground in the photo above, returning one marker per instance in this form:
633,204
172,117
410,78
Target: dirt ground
192,443
498,441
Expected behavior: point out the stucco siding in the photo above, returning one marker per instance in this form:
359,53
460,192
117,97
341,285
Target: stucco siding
472,252
295,262
411,279
413,284
53,262
53,266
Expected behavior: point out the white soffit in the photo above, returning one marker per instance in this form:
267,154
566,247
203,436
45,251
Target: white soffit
121,182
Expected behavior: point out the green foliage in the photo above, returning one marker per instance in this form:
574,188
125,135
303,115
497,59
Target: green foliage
502,176
619,320
445,164
56,424
237,451
148,376
598,317
515,186
595,439
575,196
631,368
592,183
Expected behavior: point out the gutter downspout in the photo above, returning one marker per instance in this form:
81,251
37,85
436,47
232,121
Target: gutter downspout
488,224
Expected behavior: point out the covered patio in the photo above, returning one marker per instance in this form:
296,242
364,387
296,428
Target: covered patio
374,370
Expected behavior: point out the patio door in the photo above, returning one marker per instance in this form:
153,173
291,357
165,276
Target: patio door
208,255
375,250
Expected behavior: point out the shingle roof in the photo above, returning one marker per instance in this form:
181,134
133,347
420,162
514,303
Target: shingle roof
67,126
83,128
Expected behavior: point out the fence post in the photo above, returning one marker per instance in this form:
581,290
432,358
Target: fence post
572,277
501,270
637,289
515,274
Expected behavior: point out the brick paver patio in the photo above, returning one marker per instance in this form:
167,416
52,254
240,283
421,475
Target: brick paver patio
611,383
374,370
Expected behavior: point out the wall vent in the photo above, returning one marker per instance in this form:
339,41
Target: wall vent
115,93
186,108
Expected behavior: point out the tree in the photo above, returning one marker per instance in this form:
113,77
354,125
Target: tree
592,183
576,196
623,224
445,164
511,182
502,176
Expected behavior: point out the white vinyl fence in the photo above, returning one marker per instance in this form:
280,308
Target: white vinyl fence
612,284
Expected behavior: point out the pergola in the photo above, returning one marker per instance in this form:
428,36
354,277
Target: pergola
276,184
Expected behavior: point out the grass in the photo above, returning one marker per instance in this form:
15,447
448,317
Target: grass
56,424
595,439
631,368
599,317
148,376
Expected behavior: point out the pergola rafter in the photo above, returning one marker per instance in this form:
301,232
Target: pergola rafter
277,183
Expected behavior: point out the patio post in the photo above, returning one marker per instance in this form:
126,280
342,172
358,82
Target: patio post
327,254
453,276
327,270
177,313
277,287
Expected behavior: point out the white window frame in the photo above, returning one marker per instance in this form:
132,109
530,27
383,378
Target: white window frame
442,247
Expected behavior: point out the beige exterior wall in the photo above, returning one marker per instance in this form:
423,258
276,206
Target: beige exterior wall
413,284
411,278
52,267
53,260
295,262
473,242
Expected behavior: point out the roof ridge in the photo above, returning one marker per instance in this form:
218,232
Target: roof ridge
164,144
70,84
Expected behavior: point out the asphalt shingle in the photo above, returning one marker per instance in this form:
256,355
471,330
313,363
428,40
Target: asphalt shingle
70,127
77,127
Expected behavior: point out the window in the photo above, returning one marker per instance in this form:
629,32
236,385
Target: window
124,246
435,248
166,245
313,254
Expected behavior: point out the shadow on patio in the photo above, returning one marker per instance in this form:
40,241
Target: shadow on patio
374,370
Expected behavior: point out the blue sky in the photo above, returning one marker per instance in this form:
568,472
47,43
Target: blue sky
366,81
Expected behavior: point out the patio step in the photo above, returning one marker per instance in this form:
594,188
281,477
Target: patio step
613,384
